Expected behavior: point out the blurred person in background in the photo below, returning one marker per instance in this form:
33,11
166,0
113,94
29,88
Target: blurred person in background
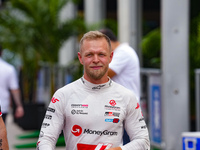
3,134
9,85
124,67
94,110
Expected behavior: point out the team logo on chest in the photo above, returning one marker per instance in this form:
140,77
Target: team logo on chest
112,105
112,102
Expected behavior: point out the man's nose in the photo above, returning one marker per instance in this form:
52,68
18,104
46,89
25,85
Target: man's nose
96,59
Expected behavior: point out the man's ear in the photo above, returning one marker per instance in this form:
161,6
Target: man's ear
111,56
80,58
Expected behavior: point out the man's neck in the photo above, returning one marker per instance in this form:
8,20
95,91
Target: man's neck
96,81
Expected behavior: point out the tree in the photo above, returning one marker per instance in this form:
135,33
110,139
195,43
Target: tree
33,29
151,47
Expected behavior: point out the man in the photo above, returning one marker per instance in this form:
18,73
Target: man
3,134
93,110
9,84
124,68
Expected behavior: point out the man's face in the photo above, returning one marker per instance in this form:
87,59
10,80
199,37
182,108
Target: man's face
95,57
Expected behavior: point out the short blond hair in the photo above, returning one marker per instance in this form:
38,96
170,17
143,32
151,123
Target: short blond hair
93,35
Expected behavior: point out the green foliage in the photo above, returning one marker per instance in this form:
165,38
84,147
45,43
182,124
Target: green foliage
151,47
195,43
34,30
75,68
111,24
194,55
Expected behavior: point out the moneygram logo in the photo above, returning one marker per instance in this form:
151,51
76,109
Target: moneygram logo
100,133
76,130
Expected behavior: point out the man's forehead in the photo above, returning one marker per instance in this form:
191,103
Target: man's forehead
94,44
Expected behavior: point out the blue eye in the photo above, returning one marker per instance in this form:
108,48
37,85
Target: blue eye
88,55
101,54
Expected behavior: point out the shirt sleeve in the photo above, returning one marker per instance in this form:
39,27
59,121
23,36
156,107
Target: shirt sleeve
52,124
13,79
119,61
136,128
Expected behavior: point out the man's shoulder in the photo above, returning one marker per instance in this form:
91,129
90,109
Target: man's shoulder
6,66
71,86
122,89
125,50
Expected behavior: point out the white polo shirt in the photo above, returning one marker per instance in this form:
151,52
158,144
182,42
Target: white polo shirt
125,64
8,80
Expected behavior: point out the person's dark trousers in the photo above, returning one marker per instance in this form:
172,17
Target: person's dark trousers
126,138
4,117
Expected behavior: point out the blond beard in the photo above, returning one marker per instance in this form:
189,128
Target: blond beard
96,74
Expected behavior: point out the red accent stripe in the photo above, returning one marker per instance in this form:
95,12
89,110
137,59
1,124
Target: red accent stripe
81,146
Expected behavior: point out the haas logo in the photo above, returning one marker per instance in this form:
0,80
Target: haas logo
112,102
76,130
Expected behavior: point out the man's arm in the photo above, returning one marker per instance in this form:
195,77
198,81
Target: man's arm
136,128
52,127
3,136
17,99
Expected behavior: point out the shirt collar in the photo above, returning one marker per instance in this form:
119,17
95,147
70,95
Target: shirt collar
93,86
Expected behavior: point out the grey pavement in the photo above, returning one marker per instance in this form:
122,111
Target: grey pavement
13,130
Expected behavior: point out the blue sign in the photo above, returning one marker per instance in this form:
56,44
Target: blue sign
156,126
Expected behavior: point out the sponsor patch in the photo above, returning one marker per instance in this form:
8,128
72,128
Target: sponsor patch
115,120
98,87
51,109
100,133
78,112
143,127
112,102
44,125
77,131
54,100
141,119
79,105
112,108
112,114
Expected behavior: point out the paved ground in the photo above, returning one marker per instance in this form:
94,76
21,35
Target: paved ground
14,131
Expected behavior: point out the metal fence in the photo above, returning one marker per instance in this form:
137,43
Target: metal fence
197,94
